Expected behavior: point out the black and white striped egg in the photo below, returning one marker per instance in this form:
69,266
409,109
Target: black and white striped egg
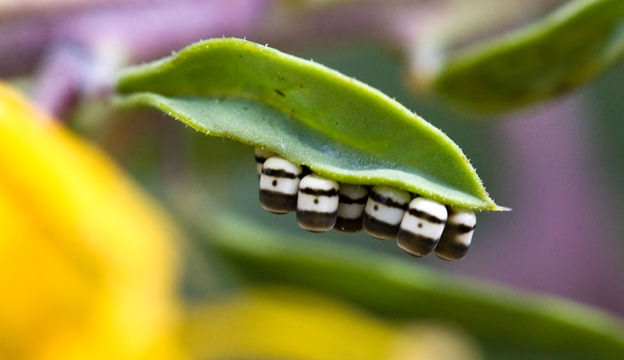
279,185
457,234
384,211
317,203
352,200
421,227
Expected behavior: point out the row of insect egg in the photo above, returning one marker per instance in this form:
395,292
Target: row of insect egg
420,225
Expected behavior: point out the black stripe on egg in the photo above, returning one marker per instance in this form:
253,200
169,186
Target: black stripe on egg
352,200
393,197
424,215
279,185
384,211
421,227
261,155
457,235
279,173
349,225
317,203
344,199
318,192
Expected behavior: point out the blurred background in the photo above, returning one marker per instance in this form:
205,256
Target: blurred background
558,162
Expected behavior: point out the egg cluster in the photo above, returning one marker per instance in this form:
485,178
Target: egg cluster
420,225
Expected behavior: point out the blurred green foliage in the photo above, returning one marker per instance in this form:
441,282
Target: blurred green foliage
551,57
505,322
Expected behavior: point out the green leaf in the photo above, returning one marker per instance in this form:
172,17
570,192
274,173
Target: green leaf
309,114
550,57
504,321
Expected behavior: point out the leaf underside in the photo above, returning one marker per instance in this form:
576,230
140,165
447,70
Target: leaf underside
307,113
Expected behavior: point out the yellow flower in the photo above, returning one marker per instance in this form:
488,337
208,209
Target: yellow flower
87,262
282,323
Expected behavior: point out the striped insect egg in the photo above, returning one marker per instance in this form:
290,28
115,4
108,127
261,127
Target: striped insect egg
384,211
457,234
317,203
261,156
279,185
352,199
421,227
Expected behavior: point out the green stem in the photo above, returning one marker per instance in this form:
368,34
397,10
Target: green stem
500,318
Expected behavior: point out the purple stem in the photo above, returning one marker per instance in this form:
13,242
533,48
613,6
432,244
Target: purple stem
147,32
60,78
